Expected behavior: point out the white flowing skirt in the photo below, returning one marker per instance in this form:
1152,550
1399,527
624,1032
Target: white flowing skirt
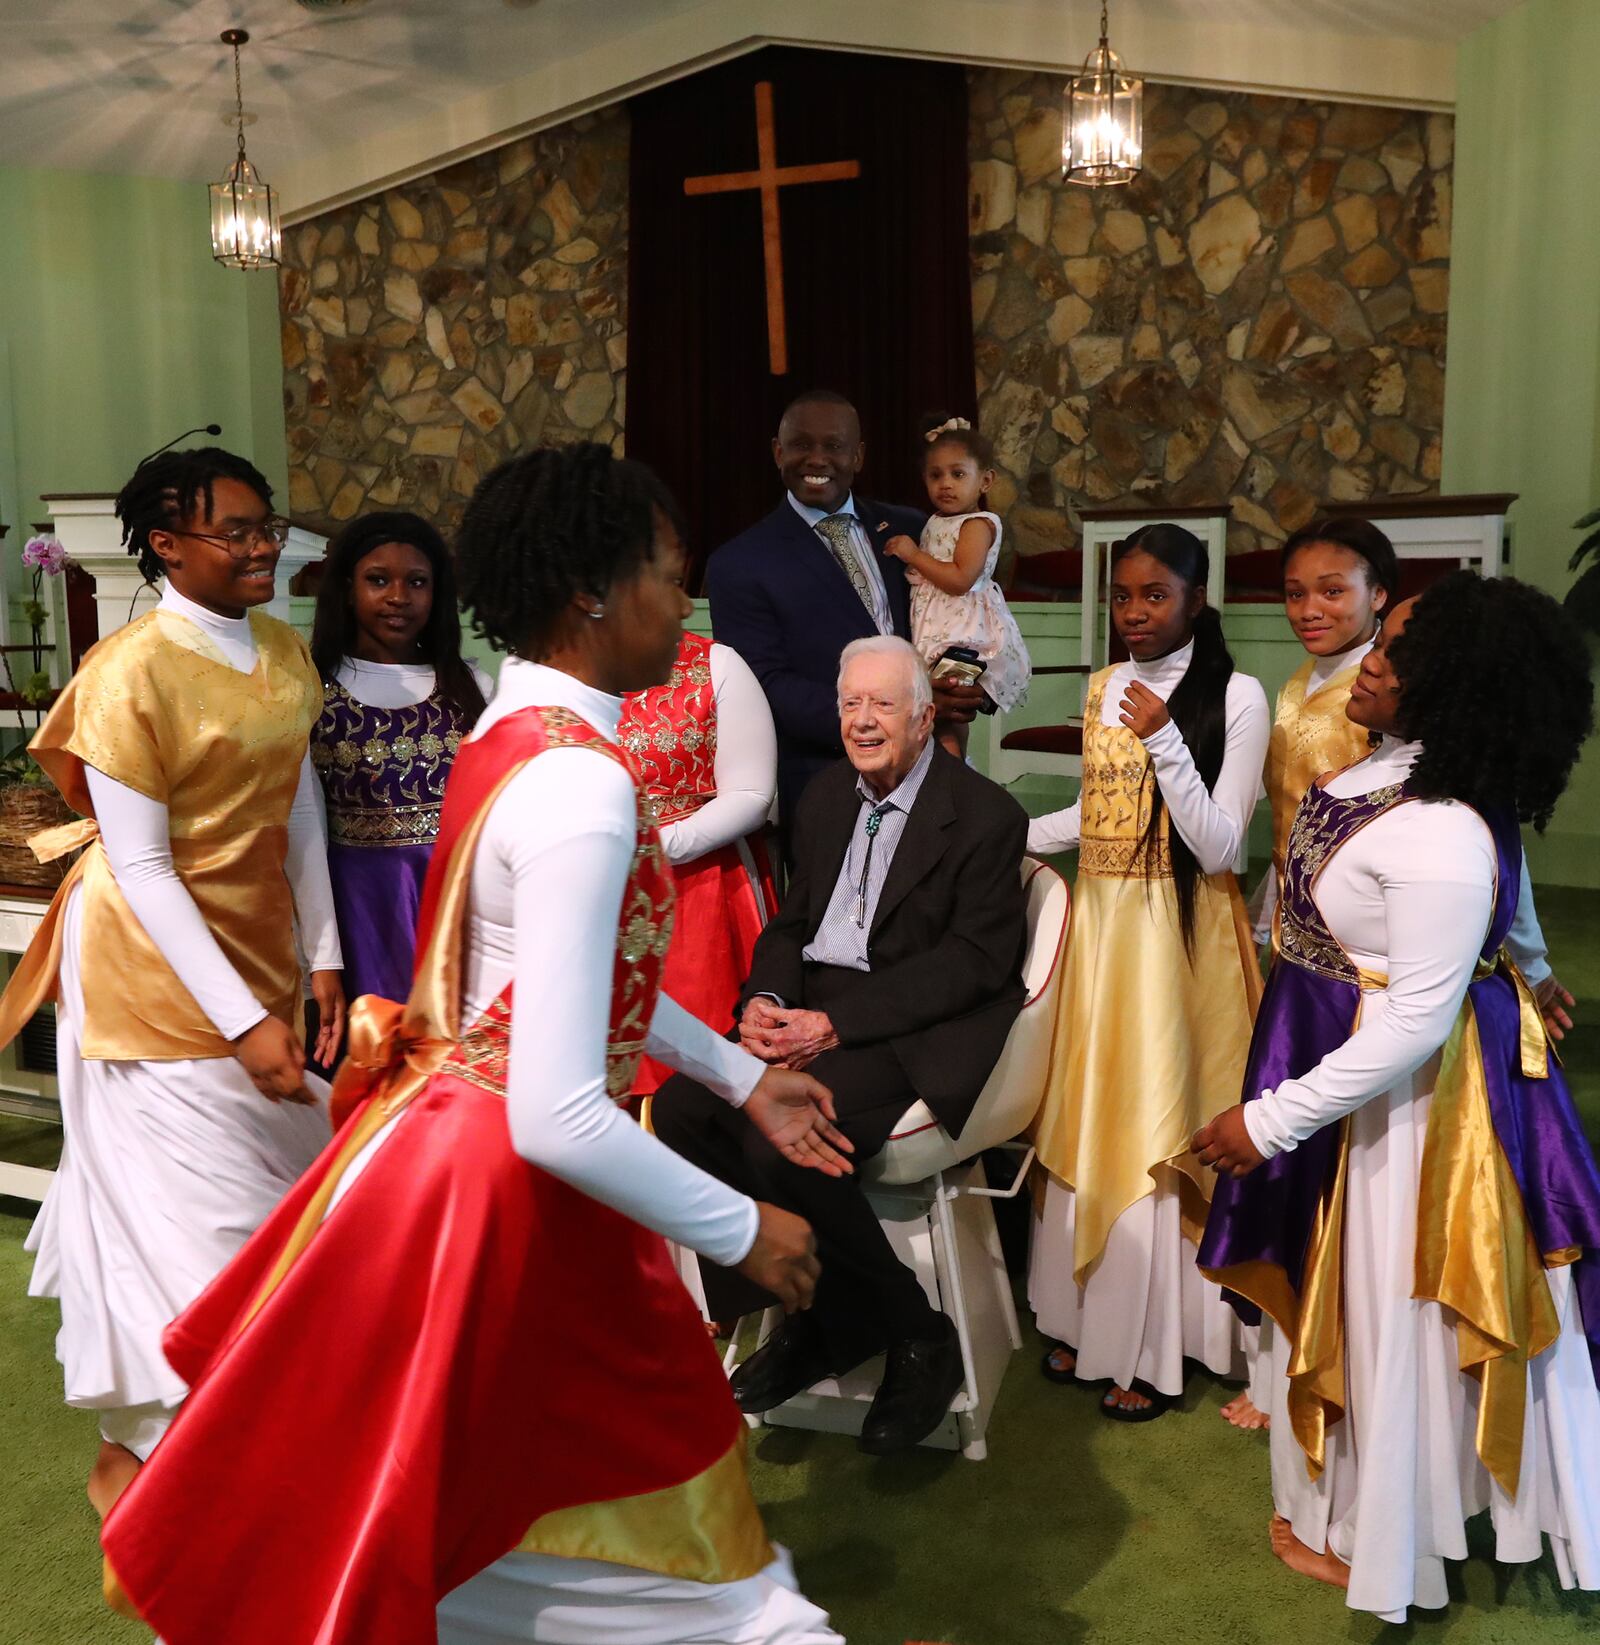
1402,1474
1144,1308
534,1597
167,1169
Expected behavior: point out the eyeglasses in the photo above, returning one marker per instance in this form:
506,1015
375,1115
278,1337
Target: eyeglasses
241,541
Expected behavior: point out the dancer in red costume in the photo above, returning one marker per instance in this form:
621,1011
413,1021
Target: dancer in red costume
426,1362
708,758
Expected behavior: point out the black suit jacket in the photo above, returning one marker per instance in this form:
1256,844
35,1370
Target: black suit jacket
946,941
781,600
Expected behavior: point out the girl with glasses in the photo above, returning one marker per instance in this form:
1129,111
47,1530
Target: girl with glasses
170,946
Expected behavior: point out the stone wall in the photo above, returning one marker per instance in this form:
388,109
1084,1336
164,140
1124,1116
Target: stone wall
1258,320
433,331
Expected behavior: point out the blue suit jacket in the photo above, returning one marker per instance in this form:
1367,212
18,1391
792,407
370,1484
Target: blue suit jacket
780,599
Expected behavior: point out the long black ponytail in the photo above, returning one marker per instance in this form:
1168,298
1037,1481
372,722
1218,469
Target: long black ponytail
1198,705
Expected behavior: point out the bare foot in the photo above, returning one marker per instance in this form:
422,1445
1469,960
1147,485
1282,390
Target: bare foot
1125,1399
1242,1412
1062,1360
111,1475
1324,1567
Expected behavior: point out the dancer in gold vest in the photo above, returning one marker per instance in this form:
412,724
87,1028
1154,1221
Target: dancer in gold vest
170,947
1173,746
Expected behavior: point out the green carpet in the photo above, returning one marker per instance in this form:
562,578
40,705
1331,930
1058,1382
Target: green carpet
1074,1529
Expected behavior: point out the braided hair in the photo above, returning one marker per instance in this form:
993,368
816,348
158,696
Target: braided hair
1198,705
548,526
1495,684
333,630
164,491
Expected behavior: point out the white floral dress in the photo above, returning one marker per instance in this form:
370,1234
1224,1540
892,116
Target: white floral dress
980,618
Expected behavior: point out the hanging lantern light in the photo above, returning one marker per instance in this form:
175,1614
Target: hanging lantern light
245,231
1102,119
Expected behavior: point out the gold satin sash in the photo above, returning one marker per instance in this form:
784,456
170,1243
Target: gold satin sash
37,974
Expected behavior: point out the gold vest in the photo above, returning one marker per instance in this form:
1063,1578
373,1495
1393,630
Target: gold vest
1308,738
156,706
1115,799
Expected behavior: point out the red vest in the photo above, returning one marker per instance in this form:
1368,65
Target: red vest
644,932
671,732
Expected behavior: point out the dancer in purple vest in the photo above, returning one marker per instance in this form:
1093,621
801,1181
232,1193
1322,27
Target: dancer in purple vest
398,699
1406,1189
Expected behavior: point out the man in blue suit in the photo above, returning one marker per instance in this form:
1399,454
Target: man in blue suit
795,589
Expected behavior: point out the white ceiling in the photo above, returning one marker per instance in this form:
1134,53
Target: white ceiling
140,86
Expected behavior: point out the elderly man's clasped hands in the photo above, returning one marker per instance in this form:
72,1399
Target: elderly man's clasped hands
785,1036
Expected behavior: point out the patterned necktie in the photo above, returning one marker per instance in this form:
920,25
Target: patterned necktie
836,532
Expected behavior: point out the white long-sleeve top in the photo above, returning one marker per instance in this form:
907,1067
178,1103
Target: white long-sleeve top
1525,941
134,831
396,685
1211,823
746,765
547,884
1409,897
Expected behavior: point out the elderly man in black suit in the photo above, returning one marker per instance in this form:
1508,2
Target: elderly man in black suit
891,973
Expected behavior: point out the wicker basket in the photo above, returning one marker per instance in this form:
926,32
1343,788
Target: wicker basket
26,809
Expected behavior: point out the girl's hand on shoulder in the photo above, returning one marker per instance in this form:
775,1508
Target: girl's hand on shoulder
1142,711
901,547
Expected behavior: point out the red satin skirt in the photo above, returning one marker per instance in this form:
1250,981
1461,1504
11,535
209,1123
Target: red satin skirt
466,1344
720,913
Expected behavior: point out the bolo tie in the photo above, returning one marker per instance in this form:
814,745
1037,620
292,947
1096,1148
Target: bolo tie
874,823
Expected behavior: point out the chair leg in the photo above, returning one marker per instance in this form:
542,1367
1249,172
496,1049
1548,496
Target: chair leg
947,1254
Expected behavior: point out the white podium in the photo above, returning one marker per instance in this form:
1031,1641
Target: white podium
1469,529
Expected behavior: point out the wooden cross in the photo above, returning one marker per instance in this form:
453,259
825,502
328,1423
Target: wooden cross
769,177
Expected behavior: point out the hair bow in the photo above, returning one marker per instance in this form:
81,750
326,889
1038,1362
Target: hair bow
951,425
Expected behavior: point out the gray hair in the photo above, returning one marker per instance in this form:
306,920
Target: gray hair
891,645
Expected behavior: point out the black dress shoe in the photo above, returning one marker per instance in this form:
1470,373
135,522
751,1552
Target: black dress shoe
919,1381
786,1364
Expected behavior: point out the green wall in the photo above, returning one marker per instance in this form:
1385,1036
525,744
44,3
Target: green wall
117,331
1522,396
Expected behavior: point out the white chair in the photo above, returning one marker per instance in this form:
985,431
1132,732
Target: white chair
932,1197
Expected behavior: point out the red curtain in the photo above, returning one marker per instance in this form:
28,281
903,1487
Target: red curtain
875,270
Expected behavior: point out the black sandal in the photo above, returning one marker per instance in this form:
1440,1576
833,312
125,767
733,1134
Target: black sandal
1159,1404
1054,1372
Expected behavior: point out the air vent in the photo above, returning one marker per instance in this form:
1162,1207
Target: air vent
36,1044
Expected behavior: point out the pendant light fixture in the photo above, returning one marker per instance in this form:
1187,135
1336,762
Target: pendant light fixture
1102,119
245,231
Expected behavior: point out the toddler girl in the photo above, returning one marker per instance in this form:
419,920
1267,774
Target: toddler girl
954,600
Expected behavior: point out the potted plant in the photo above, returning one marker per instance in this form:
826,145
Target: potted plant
28,800
1583,598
